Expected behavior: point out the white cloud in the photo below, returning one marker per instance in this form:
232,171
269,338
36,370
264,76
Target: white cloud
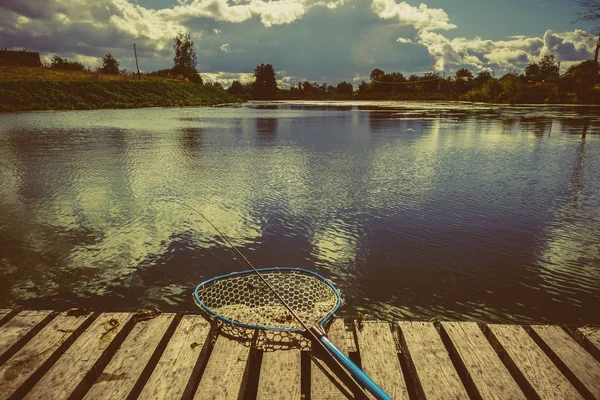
503,55
568,46
422,18
404,40
225,48
227,78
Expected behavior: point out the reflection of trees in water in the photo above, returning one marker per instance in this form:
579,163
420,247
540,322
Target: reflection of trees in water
578,126
191,141
266,128
538,126
382,121
323,107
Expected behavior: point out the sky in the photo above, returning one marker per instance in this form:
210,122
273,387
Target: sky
315,40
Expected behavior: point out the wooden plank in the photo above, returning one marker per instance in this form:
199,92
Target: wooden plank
186,348
429,362
4,315
582,366
226,371
125,368
41,351
280,375
489,376
591,339
324,385
379,357
530,365
17,327
79,363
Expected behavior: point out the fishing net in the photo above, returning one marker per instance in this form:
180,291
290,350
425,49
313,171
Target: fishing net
245,299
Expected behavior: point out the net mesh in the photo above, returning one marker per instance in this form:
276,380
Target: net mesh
248,300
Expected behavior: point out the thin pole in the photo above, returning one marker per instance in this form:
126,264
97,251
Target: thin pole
136,63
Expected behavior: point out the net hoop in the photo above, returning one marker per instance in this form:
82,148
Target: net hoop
211,281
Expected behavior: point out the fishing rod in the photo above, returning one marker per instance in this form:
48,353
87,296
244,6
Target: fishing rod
314,332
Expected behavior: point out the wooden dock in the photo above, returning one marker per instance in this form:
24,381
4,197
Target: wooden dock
75,354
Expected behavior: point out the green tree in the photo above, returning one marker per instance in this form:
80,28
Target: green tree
376,73
532,72
363,87
185,60
62,63
545,70
344,89
236,87
464,74
265,84
110,65
483,77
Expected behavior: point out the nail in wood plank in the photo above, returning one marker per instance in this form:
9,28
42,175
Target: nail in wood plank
574,357
226,372
530,364
489,375
17,327
39,351
280,375
430,362
379,357
591,335
126,366
174,369
321,386
65,378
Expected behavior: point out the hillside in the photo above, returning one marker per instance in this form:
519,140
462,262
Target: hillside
26,89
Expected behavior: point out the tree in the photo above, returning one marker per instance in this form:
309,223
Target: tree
483,77
110,65
590,12
63,63
344,89
545,70
265,84
363,87
464,75
376,73
549,70
185,60
236,87
532,71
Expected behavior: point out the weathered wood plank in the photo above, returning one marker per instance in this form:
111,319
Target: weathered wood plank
321,384
66,377
429,362
581,364
41,350
174,369
226,372
3,315
126,366
17,327
530,365
591,338
490,377
379,357
280,375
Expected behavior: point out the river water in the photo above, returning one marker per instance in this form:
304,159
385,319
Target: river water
413,210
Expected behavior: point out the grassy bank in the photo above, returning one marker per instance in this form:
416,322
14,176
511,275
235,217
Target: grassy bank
25,89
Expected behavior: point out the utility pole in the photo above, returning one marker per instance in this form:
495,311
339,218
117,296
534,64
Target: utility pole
136,63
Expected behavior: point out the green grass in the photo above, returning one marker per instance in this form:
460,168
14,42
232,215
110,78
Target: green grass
27,89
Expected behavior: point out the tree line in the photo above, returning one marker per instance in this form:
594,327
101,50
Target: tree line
185,62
